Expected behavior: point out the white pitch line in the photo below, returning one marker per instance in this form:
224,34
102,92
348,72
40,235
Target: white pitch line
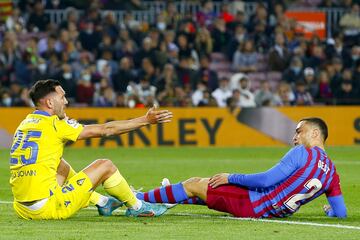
244,219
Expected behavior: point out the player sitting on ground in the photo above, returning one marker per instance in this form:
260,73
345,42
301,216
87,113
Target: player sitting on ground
43,183
302,175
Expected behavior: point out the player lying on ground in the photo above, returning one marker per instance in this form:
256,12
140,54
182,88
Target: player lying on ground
44,185
302,175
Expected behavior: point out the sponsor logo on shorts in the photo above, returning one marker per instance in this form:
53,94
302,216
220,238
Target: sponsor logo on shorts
66,203
80,181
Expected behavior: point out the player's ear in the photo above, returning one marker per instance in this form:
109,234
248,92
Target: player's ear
49,102
315,133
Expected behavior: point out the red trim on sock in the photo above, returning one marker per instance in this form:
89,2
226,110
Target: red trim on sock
169,194
146,197
157,195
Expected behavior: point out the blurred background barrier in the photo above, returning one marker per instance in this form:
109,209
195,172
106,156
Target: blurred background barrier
207,126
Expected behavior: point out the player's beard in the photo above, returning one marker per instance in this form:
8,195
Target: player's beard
60,112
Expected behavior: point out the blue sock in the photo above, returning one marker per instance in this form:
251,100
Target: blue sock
174,193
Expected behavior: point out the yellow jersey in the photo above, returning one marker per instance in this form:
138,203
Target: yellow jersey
36,152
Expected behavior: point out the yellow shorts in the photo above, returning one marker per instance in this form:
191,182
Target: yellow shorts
65,201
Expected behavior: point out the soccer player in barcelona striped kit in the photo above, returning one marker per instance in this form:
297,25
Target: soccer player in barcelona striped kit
303,174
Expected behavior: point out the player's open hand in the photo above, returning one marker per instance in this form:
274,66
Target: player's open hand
219,179
154,116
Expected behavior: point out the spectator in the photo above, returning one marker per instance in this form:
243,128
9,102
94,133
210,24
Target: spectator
222,93
317,57
47,47
22,99
247,98
336,75
186,75
207,100
302,96
38,20
245,58
206,15
172,16
352,57
260,16
261,39
85,89
203,42
225,14
346,95
167,86
237,39
220,36
206,75
89,38
124,76
239,20
311,85
198,94
106,98
144,91
350,22
335,47
120,100
16,22
185,50
294,73
84,61
41,72
167,79
68,82
71,17
106,45
277,15
147,51
9,55
264,95
284,95
6,100
110,26
325,92
279,56
148,71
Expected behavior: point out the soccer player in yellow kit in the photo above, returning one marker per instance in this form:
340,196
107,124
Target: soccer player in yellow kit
44,185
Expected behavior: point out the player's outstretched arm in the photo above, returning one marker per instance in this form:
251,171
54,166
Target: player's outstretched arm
336,208
153,116
261,180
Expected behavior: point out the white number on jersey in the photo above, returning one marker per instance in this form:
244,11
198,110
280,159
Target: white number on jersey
314,184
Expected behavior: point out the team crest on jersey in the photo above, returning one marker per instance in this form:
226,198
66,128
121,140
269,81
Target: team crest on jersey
66,203
80,181
72,122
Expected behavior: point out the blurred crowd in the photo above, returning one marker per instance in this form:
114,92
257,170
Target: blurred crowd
208,58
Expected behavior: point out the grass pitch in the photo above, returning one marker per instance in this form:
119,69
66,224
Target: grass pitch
146,167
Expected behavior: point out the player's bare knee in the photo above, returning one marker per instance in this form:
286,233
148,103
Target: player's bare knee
191,184
107,165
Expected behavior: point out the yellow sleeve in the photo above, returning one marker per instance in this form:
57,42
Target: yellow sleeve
68,130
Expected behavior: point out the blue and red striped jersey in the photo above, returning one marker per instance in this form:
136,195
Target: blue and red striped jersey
311,173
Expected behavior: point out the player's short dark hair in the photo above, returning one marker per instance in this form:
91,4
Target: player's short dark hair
42,88
319,123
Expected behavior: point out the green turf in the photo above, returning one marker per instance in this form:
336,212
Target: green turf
146,167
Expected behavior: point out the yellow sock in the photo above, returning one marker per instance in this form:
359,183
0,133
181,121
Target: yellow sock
117,186
95,198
